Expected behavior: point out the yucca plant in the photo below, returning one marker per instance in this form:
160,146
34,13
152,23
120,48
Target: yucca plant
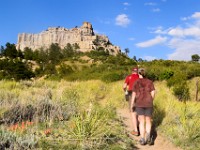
94,128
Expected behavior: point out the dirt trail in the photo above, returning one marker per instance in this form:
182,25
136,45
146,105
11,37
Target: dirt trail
160,142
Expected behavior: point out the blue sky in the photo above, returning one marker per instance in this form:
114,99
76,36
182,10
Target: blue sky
151,29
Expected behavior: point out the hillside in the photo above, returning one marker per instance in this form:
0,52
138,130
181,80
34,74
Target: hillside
79,117
70,64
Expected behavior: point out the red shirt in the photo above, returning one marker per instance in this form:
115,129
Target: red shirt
143,88
130,79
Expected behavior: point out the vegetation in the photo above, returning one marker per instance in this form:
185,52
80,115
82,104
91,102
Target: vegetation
179,121
73,98
195,57
77,117
85,118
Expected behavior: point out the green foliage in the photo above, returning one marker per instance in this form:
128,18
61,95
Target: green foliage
97,55
177,79
152,76
28,53
54,53
10,51
166,75
75,46
181,91
87,111
184,127
65,69
193,70
14,69
95,129
195,57
126,51
179,121
159,69
112,77
68,51
104,72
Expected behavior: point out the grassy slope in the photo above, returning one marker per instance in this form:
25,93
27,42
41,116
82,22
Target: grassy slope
177,120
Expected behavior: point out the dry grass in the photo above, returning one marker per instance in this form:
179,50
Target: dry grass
69,101
181,120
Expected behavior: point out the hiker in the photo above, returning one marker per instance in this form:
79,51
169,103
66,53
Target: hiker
143,93
128,85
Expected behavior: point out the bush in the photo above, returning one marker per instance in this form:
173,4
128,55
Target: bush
10,140
181,91
65,69
111,77
152,76
166,75
18,114
176,79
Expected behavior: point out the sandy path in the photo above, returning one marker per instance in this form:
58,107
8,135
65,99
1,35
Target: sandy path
160,142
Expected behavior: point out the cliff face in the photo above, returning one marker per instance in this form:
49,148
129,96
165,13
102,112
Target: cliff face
83,36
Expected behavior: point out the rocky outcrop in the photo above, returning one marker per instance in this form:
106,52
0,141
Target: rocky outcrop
83,36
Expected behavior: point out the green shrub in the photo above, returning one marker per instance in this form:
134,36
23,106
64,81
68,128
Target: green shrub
181,91
177,78
111,77
65,69
166,75
152,76
96,129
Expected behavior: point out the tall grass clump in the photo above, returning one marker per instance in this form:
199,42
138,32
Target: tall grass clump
180,122
96,129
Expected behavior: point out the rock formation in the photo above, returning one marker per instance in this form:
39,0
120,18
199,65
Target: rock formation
83,36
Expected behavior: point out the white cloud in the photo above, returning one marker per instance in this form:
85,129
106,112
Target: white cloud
131,39
160,30
184,18
150,4
157,40
126,4
149,58
183,32
156,10
196,15
184,48
176,32
183,39
122,20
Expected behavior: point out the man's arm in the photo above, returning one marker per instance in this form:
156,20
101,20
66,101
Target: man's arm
153,94
132,101
124,86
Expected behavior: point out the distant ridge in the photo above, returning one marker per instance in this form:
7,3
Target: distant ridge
83,36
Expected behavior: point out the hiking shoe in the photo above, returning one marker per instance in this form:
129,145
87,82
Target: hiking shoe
135,133
148,139
142,141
